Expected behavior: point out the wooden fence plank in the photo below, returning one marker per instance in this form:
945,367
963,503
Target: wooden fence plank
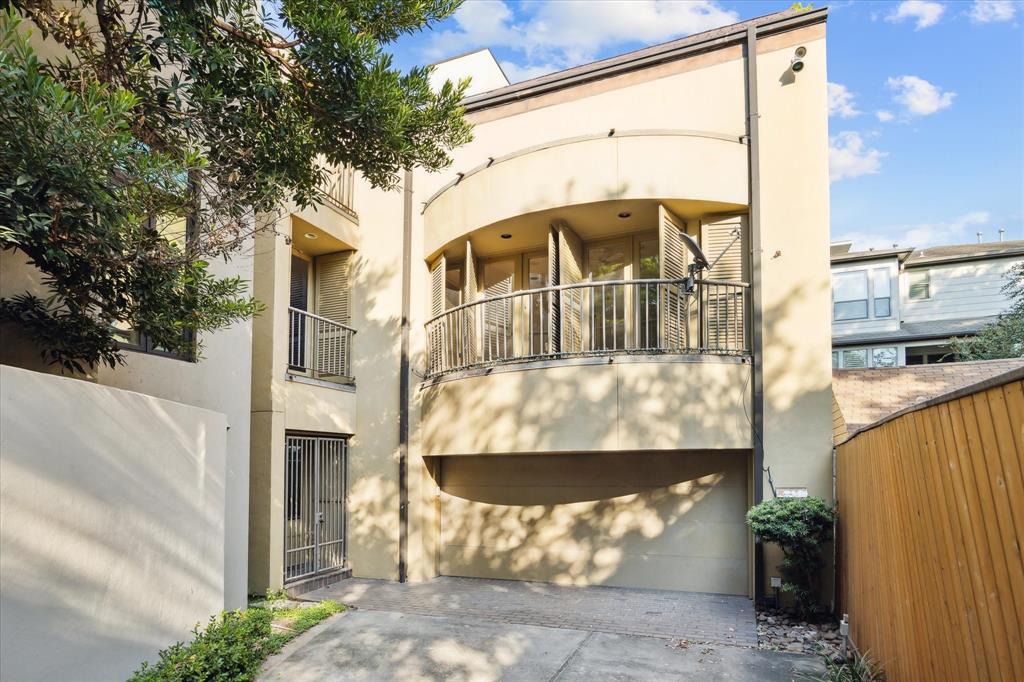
931,516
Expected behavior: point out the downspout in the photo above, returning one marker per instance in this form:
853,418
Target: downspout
403,384
756,313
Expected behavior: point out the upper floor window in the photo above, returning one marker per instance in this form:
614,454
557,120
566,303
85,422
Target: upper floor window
881,292
850,296
920,285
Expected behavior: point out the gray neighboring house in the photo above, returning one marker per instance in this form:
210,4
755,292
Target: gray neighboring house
901,306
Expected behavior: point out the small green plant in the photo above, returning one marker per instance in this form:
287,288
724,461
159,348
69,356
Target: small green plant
234,645
857,668
800,526
276,595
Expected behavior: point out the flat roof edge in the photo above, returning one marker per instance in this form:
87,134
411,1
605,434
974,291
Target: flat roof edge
640,59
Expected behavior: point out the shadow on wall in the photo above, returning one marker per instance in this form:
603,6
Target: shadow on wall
113,535
662,520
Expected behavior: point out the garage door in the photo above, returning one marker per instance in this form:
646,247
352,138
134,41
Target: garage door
655,520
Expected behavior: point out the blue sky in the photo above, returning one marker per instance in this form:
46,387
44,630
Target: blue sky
927,97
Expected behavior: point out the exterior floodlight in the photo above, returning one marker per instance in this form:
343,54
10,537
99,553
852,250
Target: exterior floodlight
699,259
797,63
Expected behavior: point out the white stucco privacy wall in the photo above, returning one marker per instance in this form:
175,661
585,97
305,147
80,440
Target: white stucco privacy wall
112,536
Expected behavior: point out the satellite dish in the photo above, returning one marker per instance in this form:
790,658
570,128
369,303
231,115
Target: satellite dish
699,259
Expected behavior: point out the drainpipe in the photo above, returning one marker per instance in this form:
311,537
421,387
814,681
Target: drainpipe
756,341
403,384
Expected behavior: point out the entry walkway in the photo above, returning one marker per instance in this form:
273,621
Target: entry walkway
695,617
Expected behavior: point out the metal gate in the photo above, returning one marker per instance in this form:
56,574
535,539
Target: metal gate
314,509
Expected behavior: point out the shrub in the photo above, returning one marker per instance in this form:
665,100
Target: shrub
800,526
230,649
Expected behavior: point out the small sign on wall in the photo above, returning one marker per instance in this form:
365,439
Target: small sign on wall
792,492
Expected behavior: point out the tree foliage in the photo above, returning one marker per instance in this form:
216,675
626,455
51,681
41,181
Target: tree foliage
162,110
801,527
1003,338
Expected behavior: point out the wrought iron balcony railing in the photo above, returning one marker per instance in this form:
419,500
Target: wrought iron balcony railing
319,346
652,316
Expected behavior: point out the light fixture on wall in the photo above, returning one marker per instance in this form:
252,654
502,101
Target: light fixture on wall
624,214
506,235
797,63
310,235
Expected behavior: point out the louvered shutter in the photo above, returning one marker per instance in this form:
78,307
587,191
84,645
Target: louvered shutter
724,244
467,346
332,303
570,271
497,341
554,342
298,298
674,302
435,330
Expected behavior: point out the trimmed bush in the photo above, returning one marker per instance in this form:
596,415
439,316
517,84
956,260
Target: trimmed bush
801,527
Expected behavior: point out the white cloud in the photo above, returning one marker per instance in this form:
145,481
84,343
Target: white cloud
957,230
884,115
850,157
558,35
923,12
989,11
840,101
918,96
517,73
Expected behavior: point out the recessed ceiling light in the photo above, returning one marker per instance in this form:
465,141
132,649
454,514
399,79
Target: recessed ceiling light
310,235
506,235
625,214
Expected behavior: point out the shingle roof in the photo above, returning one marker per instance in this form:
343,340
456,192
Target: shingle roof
909,331
956,252
849,256
867,395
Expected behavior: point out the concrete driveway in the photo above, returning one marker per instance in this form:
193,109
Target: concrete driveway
478,630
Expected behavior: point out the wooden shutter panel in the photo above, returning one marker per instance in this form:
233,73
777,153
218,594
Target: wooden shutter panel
436,329
468,345
298,296
332,302
724,243
673,260
332,288
570,271
554,341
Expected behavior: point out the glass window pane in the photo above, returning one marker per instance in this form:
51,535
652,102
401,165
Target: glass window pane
850,310
538,305
850,286
883,357
854,359
919,285
835,359
452,287
880,282
650,264
882,307
607,262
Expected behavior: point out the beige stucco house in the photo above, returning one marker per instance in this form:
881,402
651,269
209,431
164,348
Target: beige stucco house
504,371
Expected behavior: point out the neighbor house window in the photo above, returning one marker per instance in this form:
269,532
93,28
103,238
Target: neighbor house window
835,359
880,291
883,357
855,359
850,296
920,285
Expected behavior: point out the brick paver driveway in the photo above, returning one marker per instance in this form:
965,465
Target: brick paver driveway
715,618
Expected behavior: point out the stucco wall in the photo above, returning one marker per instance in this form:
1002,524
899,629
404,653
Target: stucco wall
219,381
590,406
113,535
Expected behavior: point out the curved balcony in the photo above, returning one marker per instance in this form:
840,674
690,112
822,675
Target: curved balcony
597,318
701,172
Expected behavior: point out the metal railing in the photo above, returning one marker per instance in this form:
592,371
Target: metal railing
651,316
319,346
340,190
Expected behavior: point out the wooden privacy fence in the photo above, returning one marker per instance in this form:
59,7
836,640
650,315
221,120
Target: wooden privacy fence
931,520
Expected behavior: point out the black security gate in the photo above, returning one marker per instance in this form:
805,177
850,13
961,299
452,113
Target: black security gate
314,509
